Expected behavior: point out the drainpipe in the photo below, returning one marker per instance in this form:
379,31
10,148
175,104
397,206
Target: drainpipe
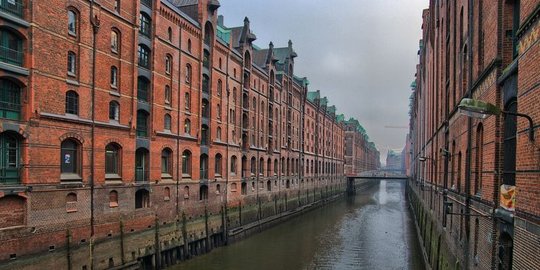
95,28
469,136
228,92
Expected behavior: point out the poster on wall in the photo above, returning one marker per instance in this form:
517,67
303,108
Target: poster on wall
508,197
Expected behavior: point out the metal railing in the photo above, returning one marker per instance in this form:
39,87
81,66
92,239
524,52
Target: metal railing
11,56
14,7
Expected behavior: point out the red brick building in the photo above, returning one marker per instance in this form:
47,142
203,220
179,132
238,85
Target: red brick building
361,155
121,118
474,184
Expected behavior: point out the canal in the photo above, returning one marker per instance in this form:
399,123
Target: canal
373,230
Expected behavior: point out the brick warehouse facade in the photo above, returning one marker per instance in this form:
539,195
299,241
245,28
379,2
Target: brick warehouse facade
195,133
461,167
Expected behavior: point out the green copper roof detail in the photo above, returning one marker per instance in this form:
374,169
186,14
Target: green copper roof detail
223,34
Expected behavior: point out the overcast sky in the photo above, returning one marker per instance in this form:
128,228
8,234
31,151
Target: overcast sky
361,54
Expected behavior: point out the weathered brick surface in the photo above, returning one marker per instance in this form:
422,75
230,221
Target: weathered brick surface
46,213
472,174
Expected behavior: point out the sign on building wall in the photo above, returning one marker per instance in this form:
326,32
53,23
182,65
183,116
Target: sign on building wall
508,197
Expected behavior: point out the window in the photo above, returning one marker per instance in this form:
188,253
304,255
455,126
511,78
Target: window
479,159
112,160
141,165
142,123
113,199
145,24
234,94
143,86
167,122
233,164
204,135
144,56
166,162
188,74
9,158
220,63
72,23
186,192
218,165
166,194
509,143
10,100
69,157
72,64
11,49
168,64
203,193
187,126
203,165
115,45
244,188
168,94
114,111
186,163
219,88
117,6
72,103
189,45
218,133
206,84
114,77
219,112
142,199
169,34
187,101
205,108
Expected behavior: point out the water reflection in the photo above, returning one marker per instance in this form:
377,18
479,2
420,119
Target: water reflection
369,231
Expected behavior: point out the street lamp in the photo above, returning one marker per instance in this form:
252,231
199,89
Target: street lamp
481,110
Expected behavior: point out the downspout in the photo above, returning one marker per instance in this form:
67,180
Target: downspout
225,207
95,28
469,136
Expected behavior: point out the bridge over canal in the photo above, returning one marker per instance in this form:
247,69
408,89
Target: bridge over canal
373,175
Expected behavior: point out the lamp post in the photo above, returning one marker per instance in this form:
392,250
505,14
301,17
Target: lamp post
481,110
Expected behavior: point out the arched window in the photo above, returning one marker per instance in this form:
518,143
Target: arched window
113,199
247,60
268,185
70,157
234,94
187,126
253,166
72,22
145,24
143,89
188,74
244,188
187,101
72,64
114,77
479,159
219,88
218,111
261,166
72,103
112,160
205,108
144,56
166,163
167,122
218,165
168,63
10,100
218,133
218,189
142,123
206,59
189,45
276,166
186,163
12,48
168,94
208,34
220,63
9,158
186,192
166,194
169,34
115,44
233,164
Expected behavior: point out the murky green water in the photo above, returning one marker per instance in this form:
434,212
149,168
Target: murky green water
370,231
